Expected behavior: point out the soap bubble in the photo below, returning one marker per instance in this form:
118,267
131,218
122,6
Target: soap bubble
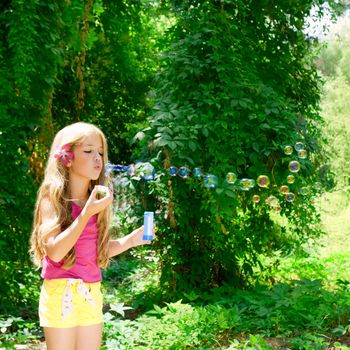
183,172
172,171
288,150
284,189
290,179
108,167
256,198
131,170
299,146
294,166
197,172
231,178
148,172
244,184
318,185
290,197
263,181
114,167
304,191
210,181
272,201
251,183
302,154
138,168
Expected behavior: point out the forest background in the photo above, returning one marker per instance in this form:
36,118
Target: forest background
219,85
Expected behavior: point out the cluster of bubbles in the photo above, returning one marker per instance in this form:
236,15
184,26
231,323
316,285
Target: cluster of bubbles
144,170
210,181
246,184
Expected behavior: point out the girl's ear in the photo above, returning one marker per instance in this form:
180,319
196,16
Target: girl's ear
69,164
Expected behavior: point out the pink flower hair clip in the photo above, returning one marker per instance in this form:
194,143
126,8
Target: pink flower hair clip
63,154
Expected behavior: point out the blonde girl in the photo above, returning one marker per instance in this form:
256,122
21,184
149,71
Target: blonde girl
71,241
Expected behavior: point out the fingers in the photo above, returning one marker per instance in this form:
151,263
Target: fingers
104,190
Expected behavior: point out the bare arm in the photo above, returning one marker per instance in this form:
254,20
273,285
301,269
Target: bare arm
131,240
60,243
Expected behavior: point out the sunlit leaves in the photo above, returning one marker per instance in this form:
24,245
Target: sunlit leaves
236,83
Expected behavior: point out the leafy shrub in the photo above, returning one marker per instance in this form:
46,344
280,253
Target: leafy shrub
232,92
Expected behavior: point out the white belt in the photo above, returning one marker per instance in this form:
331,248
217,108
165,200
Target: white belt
67,300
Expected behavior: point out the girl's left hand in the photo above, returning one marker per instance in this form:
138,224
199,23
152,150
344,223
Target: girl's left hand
136,236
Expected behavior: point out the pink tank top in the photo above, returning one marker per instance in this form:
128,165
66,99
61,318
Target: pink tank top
85,266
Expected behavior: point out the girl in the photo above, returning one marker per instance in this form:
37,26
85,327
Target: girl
70,238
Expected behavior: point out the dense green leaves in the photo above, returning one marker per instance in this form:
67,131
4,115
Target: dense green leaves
334,62
63,61
234,84
237,84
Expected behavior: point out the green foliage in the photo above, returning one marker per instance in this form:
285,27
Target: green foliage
19,288
117,72
237,84
14,330
333,62
307,313
61,61
297,314
28,65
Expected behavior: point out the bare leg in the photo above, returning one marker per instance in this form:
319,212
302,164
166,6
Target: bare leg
60,338
89,337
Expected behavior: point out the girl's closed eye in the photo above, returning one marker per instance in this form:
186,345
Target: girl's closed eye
100,153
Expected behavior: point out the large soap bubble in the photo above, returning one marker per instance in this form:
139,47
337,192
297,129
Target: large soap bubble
256,198
172,171
263,181
251,183
294,166
244,184
302,154
290,179
299,146
290,197
210,181
231,178
197,172
183,172
129,169
288,150
147,171
284,189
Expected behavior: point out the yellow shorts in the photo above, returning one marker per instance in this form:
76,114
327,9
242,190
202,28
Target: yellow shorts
68,302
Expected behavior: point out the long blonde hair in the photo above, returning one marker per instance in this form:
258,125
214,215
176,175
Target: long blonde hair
54,188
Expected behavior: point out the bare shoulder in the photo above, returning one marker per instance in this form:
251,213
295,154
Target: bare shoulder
50,226
47,209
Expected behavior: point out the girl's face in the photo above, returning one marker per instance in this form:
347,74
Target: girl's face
88,158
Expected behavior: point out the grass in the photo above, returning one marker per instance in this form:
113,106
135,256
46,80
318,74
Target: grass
335,214
307,308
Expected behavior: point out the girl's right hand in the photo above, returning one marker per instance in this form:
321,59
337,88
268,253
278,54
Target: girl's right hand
94,205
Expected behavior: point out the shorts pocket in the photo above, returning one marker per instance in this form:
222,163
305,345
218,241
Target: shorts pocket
54,287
